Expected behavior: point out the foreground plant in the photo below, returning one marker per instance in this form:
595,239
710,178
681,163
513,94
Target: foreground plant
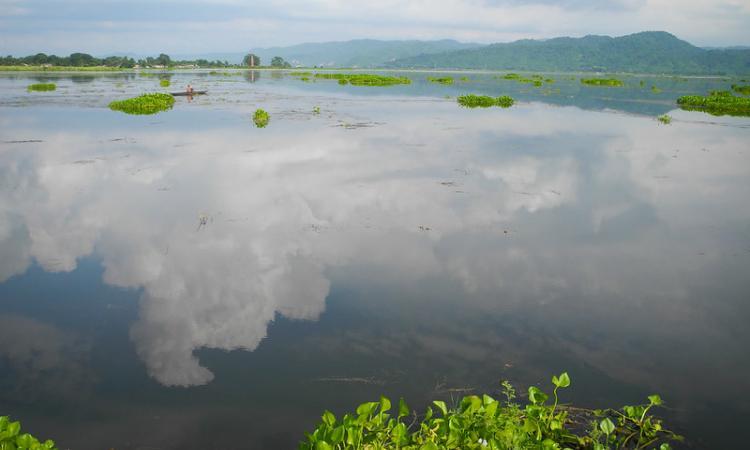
486,423
612,82
42,87
261,118
717,103
11,437
144,104
484,101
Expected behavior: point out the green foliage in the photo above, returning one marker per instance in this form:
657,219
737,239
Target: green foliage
744,90
164,83
261,118
484,101
316,110
251,60
612,82
42,87
717,103
486,423
11,438
666,119
363,79
441,80
144,104
655,89
279,62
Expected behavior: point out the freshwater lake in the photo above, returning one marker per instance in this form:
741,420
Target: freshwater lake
186,280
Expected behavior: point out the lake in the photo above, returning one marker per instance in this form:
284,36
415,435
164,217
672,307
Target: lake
187,280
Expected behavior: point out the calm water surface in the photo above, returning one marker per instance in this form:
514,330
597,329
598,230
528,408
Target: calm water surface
186,280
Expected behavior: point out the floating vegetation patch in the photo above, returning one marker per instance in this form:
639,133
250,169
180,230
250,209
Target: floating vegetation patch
483,422
744,90
484,101
666,119
300,74
717,103
441,80
11,437
511,76
41,87
261,118
164,83
611,82
364,79
144,104
655,90
535,80
316,110
465,79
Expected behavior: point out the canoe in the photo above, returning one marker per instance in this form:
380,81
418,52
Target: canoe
177,94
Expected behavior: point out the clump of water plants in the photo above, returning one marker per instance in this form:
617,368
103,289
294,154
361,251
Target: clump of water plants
744,90
717,103
666,119
11,437
364,79
316,110
488,423
440,80
511,76
484,101
611,82
164,83
261,118
144,104
41,87
655,89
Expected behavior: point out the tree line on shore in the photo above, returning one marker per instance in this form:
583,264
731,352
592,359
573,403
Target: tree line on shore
125,62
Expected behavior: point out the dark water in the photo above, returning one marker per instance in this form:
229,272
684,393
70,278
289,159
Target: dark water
186,280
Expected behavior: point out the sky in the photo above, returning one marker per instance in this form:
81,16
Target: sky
103,27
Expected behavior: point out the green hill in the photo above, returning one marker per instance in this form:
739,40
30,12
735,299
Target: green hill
646,52
358,53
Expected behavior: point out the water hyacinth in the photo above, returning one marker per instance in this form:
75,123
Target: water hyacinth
144,104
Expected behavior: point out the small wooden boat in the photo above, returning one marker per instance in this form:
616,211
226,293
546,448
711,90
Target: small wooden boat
178,94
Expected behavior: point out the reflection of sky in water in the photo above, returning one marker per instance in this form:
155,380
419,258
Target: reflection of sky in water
447,245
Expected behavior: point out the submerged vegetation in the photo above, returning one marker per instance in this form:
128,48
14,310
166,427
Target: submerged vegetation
11,437
441,80
717,103
144,104
484,101
363,79
261,118
486,423
744,90
42,87
612,82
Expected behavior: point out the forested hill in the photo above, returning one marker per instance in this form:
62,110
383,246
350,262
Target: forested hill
646,52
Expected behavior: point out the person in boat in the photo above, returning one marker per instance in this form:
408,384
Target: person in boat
189,90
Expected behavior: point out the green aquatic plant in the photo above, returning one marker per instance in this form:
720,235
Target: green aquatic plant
164,83
41,87
465,79
144,104
488,423
511,76
717,103
364,79
666,119
611,82
655,89
316,110
261,118
484,101
744,90
11,437
440,80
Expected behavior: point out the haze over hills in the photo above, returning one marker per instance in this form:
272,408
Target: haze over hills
645,52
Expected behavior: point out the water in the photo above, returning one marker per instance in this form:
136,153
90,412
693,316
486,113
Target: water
186,280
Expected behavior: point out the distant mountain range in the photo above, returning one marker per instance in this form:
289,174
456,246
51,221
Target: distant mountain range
646,52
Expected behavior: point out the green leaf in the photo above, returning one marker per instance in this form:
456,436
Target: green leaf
385,404
322,445
429,446
403,408
563,381
337,435
607,426
14,428
367,408
655,400
441,406
665,446
536,396
328,418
